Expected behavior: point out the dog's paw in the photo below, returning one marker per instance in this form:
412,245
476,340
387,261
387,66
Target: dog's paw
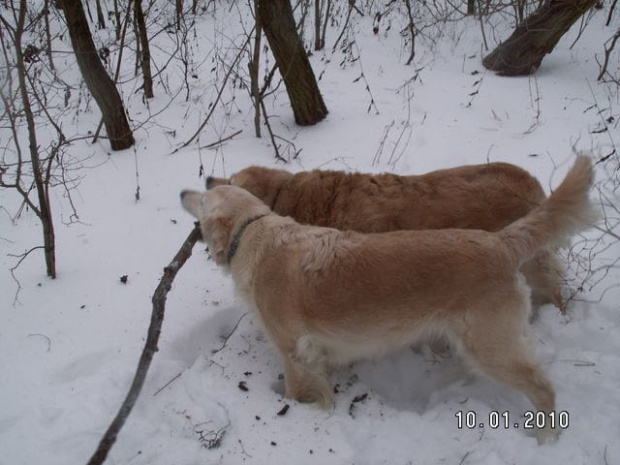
320,398
547,436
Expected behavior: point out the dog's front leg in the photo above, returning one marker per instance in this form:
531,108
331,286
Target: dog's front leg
307,383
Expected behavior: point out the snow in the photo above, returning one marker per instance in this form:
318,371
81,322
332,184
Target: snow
69,347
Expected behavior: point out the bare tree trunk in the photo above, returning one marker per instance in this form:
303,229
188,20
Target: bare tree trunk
254,68
325,21
179,13
520,5
319,43
411,28
522,53
44,211
97,79
100,16
117,17
145,56
48,35
471,7
278,22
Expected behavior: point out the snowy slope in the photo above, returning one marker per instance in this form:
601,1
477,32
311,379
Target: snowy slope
69,347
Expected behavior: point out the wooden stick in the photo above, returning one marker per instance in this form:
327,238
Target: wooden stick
150,347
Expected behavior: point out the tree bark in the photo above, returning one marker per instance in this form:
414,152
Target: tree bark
319,43
48,35
145,55
97,79
100,16
179,13
277,19
254,71
522,53
44,211
471,7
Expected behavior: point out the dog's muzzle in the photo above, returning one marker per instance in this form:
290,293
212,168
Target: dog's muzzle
209,182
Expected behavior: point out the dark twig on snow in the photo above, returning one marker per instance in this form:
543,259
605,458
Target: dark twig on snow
150,347
43,336
168,383
221,141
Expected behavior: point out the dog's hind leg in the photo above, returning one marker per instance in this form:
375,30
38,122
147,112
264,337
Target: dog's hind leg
499,349
544,274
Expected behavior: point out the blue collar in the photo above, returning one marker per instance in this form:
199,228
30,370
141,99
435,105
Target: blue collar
234,245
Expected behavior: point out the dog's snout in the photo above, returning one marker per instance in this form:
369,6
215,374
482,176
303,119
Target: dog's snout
209,182
183,194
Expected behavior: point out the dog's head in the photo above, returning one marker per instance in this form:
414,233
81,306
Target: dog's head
222,211
264,183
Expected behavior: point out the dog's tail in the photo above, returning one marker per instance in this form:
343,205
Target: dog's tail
566,211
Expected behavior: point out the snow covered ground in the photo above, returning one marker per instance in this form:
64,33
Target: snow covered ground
69,347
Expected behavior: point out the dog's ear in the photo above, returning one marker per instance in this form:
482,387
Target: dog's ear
264,183
192,202
212,182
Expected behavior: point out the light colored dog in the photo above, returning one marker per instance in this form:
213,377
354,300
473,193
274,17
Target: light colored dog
488,197
328,297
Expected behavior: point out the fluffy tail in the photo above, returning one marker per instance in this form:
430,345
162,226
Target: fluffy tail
565,212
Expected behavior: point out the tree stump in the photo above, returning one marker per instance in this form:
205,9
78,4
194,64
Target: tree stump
522,53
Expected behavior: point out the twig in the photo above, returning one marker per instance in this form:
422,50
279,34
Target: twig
611,13
605,455
535,103
603,121
49,342
363,76
346,25
411,28
135,157
612,43
464,457
21,257
221,141
219,95
168,384
150,347
232,331
276,147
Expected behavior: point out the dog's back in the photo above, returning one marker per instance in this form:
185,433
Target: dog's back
485,197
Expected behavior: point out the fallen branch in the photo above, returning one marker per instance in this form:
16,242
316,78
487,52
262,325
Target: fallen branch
221,141
150,347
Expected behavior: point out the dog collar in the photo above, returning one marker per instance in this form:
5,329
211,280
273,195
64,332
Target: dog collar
234,245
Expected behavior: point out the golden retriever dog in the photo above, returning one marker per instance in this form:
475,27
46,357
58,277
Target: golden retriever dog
328,297
489,197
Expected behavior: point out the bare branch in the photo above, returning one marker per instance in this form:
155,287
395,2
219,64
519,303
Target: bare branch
150,347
